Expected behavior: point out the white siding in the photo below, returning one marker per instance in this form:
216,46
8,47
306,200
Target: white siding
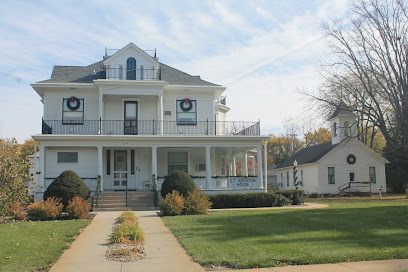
53,103
114,107
337,158
85,168
205,106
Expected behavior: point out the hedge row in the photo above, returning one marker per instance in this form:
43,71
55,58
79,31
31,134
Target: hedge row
297,196
254,200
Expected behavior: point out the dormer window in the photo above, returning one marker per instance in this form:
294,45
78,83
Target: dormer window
131,69
335,129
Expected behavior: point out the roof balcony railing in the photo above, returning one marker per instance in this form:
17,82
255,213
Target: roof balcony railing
150,127
222,100
133,74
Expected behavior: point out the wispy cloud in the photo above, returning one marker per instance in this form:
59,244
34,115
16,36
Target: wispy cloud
263,51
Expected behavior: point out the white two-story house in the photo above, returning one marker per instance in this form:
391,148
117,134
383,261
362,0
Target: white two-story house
129,117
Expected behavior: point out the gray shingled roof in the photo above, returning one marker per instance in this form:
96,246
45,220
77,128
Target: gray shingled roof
342,109
174,76
85,74
308,154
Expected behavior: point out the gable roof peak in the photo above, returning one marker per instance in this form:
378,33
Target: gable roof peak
130,45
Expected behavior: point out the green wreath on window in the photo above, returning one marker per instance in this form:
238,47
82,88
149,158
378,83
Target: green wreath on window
75,101
351,159
188,102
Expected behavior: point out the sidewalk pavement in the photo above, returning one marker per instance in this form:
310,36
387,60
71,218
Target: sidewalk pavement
366,266
165,254
162,249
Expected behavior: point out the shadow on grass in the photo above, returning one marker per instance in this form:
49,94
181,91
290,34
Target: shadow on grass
299,236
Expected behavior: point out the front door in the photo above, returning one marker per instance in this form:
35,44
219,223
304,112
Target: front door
120,174
130,117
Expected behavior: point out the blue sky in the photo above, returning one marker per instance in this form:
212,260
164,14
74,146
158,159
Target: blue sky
262,51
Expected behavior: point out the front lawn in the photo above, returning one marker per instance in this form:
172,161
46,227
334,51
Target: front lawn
28,246
347,231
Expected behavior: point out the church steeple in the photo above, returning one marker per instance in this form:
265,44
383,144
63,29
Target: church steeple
343,123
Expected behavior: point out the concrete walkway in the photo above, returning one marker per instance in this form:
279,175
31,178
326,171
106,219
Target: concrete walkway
165,253
162,249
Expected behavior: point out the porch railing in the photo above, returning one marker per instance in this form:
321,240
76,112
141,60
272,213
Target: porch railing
133,74
149,127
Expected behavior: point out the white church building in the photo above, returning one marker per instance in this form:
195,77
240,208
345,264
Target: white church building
343,165
128,117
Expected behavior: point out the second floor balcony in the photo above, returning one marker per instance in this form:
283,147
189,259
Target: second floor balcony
150,127
132,74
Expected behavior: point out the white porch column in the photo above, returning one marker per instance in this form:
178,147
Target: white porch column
208,167
41,182
160,114
100,164
259,161
253,166
100,109
234,167
265,167
244,164
154,161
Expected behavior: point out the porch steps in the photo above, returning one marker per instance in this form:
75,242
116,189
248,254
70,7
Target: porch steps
116,201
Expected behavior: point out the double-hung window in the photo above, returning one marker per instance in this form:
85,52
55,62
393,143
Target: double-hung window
331,178
373,178
73,111
186,112
287,178
177,161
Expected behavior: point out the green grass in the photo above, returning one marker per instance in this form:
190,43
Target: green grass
127,232
127,216
28,246
347,231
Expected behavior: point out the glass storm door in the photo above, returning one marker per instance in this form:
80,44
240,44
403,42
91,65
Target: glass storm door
120,169
130,117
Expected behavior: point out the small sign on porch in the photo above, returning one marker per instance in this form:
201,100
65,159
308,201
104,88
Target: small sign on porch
241,182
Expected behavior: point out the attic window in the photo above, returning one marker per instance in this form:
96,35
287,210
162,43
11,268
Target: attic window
131,69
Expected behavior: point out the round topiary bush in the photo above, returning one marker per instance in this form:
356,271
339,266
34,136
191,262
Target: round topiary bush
178,181
66,186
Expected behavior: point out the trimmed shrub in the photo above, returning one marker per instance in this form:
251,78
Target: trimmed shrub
127,216
78,208
66,187
173,204
283,201
297,196
45,210
178,181
197,203
15,210
248,200
313,195
127,233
